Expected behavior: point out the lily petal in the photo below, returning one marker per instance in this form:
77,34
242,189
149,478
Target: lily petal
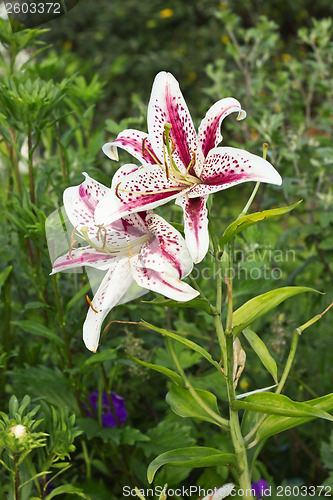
135,143
167,252
143,189
162,283
81,201
209,133
195,225
220,493
113,287
226,167
84,256
167,105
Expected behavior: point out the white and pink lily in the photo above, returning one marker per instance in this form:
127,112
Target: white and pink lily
140,247
177,163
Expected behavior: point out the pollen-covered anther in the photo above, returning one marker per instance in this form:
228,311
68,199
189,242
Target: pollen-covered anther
90,304
116,191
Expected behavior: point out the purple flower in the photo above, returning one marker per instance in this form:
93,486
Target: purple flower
119,408
259,488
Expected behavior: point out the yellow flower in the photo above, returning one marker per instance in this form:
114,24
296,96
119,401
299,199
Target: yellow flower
165,13
224,39
286,57
244,385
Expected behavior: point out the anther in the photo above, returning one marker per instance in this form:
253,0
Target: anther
90,304
73,243
116,191
144,146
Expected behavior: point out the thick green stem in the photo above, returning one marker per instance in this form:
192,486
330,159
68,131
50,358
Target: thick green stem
16,478
235,430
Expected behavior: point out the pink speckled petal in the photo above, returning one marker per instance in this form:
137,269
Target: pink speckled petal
135,143
210,128
162,283
113,287
195,226
167,251
84,256
167,105
81,201
226,167
144,189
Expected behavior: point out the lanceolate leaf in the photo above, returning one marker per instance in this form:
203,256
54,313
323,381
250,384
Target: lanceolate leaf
275,424
161,369
278,404
183,340
183,404
260,305
248,220
197,303
262,352
39,329
195,456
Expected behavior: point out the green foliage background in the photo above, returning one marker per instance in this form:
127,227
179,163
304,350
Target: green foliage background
92,80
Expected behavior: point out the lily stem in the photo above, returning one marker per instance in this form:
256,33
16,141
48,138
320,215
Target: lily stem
222,422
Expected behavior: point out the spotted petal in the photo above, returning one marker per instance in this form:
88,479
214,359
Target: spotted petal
209,133
135,143
226,167
195,226
167,252
84,256
81,201
144,189
113,287
167,105
162,283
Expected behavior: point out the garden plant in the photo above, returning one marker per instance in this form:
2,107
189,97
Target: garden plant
166,322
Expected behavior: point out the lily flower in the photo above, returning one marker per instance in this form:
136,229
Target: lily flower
140,247
220,493
177,163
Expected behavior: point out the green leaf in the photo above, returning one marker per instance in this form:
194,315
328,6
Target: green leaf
130,436
67,488
262,352
161,369
260,305
194,456
278,404
100,357
248,220
275,424
40,330
168,435
183,340
4,275
183,404
197,303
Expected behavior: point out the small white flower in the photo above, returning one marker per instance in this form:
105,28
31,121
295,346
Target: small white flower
19,431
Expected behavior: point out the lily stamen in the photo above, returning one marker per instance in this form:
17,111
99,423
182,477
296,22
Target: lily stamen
73,243
90,304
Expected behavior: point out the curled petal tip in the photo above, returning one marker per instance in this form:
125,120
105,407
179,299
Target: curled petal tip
241,115
110,151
